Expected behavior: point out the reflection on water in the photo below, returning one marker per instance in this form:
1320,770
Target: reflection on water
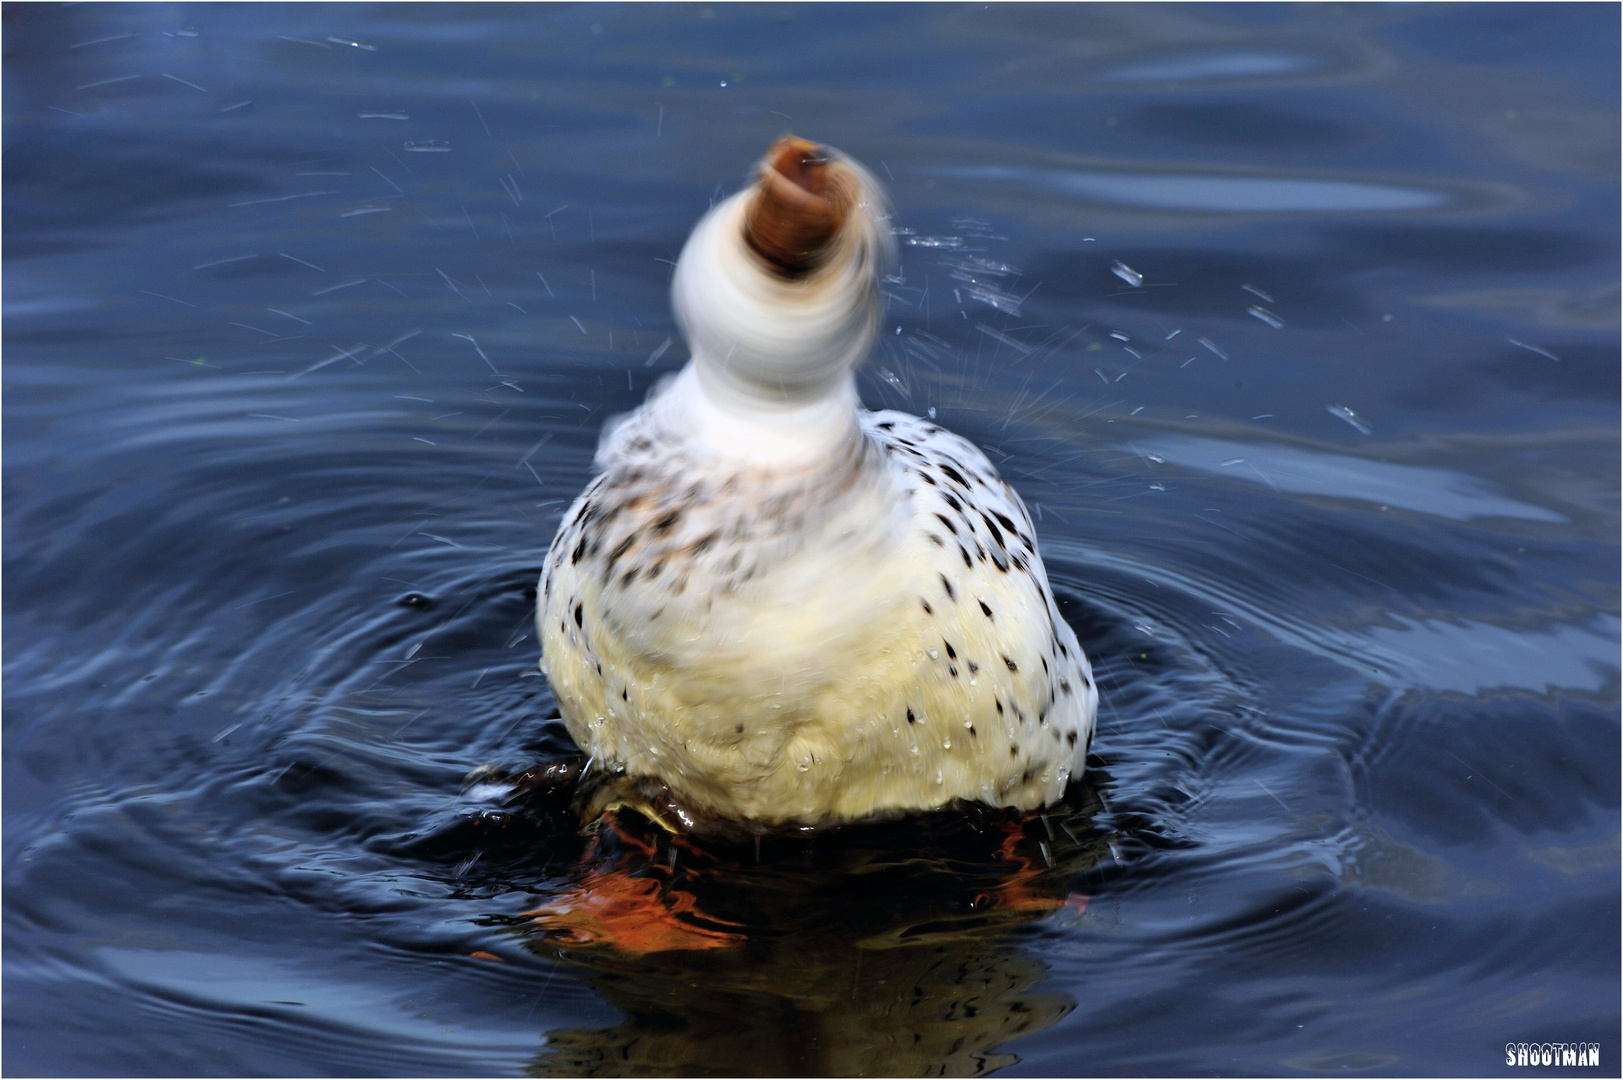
878,951
280,468
1214,193
1232,64
1472,658
1310,472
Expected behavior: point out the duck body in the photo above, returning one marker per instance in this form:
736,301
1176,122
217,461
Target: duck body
789,610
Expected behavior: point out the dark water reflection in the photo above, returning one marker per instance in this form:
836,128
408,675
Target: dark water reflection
884,951
312,315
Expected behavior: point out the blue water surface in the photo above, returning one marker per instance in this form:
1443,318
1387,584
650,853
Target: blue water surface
1296,327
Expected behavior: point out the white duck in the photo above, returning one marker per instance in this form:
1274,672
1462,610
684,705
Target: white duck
789,610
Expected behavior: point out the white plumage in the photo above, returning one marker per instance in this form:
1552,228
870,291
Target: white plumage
785,608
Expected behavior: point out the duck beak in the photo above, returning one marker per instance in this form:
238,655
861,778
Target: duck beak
798,207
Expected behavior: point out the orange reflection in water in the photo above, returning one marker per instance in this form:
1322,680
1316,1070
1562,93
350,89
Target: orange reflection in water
891,948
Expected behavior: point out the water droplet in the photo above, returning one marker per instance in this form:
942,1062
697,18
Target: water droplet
1266,316
1341,412
1128,274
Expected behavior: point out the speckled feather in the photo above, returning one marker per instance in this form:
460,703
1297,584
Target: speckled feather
877,635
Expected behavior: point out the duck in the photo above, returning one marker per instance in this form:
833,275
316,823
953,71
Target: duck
783,608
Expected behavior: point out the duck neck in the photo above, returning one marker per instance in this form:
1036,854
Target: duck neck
729,419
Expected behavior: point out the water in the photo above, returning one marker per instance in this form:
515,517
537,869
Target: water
312,317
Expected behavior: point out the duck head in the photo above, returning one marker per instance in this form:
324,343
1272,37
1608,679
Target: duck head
777,290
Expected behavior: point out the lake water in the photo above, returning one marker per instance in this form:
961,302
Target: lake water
1297,327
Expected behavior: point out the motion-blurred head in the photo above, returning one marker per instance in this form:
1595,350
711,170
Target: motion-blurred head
777,289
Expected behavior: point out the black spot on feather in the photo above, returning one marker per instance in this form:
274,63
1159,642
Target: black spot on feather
997,534
620,549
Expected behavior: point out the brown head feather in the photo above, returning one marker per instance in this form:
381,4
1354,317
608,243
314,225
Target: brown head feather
798,208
